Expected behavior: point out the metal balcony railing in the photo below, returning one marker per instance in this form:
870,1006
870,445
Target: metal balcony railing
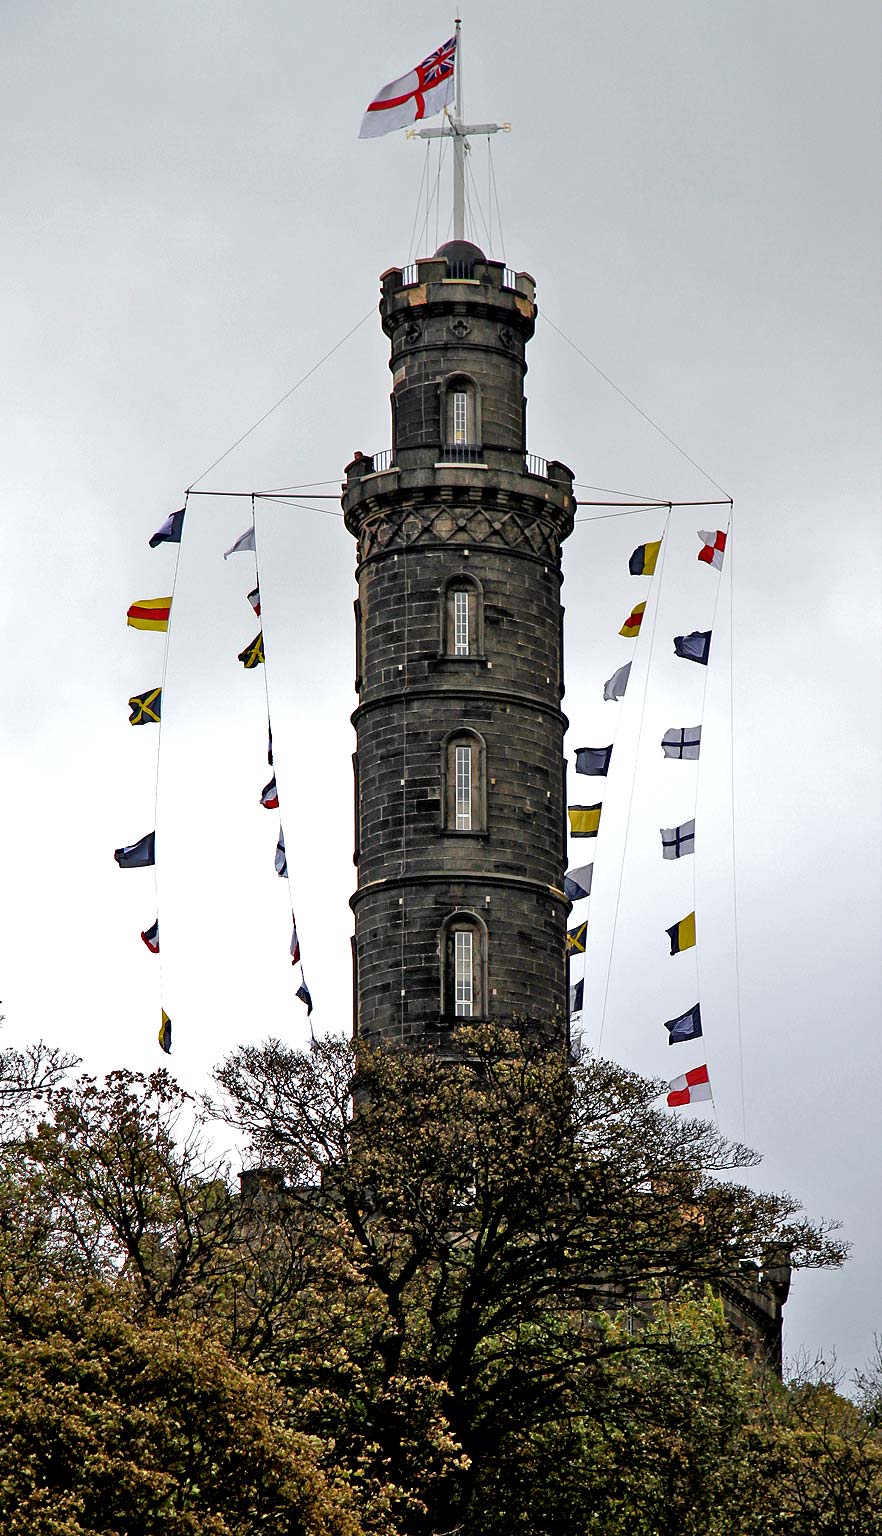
461,453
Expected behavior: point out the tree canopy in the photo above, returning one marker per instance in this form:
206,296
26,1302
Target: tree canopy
473,1294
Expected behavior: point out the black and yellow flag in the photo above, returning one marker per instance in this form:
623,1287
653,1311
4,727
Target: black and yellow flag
682,935
145,707
576,939
252,656
164,1036
584,820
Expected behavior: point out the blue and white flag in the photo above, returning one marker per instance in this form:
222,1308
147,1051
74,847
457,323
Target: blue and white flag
682,741
281,860
694,647
171,530
686,1026
577,882
678,841
593,760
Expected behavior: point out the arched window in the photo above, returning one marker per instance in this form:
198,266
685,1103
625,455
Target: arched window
462,617
464,788
462,413
463,949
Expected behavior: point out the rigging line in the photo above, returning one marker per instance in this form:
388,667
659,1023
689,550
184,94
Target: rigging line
626,512
612,942
269,720
282,495
437,189
472,185
489,194
695,812
729,541
496,198
171,609
301,506
609,490
633,403
419,196
303,485
614,739
286,396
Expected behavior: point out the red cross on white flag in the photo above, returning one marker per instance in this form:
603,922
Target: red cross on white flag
422,92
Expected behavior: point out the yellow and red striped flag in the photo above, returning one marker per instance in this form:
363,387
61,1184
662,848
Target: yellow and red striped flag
149,613
631,626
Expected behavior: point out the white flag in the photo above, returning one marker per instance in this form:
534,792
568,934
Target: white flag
678,841
615,687
682,741
244,541
422,92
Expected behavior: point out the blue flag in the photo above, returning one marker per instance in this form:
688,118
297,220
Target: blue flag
171,530
694,647
686,1026
137,855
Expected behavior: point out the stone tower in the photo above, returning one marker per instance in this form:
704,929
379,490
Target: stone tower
459,772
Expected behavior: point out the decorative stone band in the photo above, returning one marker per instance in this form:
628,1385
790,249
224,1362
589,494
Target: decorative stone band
521,524
443,877
471,695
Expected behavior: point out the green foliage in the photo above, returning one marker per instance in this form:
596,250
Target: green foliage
475,1295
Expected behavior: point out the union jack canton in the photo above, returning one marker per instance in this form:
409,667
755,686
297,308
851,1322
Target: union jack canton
425,90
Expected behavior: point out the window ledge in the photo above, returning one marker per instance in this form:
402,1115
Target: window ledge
460,832
441,658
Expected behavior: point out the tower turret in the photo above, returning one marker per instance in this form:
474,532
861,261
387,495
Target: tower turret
460,848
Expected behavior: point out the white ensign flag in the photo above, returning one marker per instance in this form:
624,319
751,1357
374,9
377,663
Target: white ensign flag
421,93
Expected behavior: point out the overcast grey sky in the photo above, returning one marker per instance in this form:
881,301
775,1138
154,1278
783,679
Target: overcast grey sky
189,224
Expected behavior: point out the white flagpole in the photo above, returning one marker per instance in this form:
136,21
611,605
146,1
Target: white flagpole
456,128
459,143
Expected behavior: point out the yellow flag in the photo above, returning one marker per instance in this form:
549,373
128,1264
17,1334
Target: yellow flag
164,1036
682,935
149,613
584,820
631,626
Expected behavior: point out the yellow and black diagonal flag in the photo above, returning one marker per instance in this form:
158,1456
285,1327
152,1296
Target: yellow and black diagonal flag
682,934
145,707
252,656
164,1035
576,939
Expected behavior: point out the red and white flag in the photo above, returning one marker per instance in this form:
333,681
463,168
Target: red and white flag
421,93
714,548
295,942
690,1088
269,795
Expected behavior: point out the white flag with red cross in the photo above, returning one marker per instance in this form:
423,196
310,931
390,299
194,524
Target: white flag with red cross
422,92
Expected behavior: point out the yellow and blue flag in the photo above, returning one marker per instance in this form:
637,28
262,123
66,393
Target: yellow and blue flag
682,934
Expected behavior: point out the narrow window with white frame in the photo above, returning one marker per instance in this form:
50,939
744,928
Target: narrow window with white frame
460,623
460,417
463,979
463,807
